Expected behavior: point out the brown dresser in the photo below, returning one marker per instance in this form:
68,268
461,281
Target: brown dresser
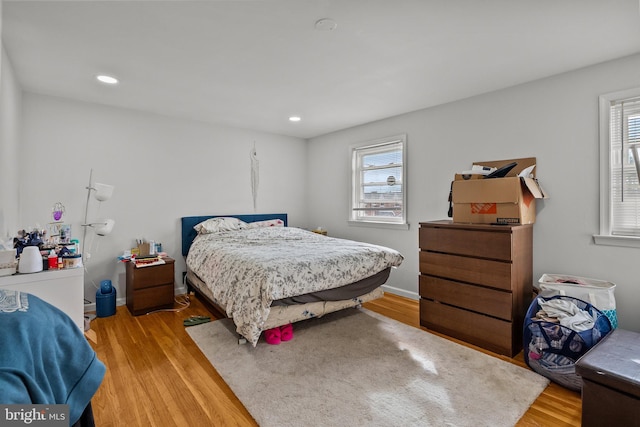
150,288
476,282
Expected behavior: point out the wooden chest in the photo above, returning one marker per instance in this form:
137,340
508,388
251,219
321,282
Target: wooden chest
476,282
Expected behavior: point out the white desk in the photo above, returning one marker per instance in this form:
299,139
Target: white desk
61,288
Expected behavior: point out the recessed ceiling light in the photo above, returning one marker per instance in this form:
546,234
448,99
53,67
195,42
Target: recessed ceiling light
110,80
294,119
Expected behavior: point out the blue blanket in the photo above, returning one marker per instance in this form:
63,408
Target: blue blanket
44,356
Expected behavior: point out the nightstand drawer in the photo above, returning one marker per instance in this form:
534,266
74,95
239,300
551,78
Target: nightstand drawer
150,299
146,277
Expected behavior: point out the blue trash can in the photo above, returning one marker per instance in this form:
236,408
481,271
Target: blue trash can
105,299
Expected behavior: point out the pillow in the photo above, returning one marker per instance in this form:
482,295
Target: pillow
266,223
213,225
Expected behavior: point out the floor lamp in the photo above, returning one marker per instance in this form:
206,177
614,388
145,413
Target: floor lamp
102,193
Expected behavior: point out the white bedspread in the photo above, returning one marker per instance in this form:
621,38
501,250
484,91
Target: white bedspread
248,269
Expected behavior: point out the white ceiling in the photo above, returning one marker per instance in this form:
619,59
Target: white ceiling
252,64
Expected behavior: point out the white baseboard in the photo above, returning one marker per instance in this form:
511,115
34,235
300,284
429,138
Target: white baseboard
401,292
181,290
92,306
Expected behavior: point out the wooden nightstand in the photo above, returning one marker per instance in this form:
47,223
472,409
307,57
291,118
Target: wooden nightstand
150,288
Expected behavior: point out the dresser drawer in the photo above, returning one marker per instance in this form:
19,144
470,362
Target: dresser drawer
483,331
483,244
491,302
487,272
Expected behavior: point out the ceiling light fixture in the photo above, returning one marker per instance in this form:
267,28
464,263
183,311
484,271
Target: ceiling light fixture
294,119
110,80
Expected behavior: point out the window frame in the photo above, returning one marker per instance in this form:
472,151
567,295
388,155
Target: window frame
355,184
605,237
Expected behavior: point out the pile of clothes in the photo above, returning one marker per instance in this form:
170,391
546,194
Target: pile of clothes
566,313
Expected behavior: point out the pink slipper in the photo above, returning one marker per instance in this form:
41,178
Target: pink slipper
286,332
272,336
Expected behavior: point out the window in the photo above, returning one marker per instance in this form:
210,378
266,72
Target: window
620,169
378,188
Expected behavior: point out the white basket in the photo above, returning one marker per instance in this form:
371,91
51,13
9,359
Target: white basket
599,293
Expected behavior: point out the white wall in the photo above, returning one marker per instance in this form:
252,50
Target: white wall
555,120
10,106
165,168
162,169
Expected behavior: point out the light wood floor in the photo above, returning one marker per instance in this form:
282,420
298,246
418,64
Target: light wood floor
157,376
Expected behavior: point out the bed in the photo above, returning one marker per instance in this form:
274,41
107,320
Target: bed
263,274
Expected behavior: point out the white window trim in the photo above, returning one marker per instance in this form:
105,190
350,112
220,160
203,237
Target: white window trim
379,224
404,225
605,237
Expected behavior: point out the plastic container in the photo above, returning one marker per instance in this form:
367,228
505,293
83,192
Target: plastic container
75,248
105,302
72,261
52,260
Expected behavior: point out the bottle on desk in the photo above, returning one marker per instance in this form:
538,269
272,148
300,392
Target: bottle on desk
52,260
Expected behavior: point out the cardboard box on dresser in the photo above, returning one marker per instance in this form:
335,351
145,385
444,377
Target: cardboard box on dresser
497,192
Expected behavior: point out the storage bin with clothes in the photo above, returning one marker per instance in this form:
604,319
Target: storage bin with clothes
599,293
557,331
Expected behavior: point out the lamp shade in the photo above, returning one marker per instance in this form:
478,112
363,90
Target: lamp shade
104,228
103,191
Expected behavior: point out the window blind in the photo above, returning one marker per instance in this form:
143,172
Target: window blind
624,128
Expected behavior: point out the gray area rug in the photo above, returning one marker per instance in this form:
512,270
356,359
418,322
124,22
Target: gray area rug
358,368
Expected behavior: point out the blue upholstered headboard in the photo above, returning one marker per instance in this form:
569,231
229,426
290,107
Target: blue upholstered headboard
188,222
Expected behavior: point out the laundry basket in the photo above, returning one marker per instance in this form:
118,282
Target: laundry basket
552,349
598,293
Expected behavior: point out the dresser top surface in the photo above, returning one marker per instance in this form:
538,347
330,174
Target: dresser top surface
446,223
41,276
